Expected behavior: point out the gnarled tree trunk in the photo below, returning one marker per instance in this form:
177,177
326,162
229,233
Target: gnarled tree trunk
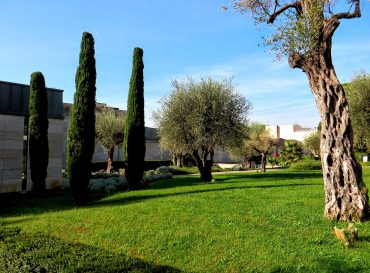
346,196
203,163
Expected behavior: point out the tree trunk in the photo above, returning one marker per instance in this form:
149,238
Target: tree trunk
204,165
346,195
263,163
110,154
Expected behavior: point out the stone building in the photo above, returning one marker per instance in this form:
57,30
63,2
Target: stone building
14,171
292,131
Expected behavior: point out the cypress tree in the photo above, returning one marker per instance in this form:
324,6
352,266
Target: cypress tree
38,128
81,132
134,136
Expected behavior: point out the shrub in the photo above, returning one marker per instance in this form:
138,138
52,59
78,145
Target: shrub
238,167
81,131
306,165
134,135
155,177
38,127
150,172
164,169
108,185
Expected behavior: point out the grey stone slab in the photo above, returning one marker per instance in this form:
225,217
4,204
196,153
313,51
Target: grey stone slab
9,135
54,172
10,153
12,163
14,124
55,162
12,144
12,174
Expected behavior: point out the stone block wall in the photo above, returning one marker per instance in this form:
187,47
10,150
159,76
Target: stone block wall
11,153
55,137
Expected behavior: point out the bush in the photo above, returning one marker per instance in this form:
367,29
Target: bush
155,177
117,165
103,174
108,185
238,167
306,165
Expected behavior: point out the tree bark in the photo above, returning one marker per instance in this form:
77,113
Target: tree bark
346,196
204,165
263,162
110,153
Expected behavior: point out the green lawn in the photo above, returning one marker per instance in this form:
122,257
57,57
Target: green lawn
244,222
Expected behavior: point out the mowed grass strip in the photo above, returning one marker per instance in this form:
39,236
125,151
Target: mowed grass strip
243,222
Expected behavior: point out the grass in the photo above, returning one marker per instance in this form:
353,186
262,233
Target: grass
244,222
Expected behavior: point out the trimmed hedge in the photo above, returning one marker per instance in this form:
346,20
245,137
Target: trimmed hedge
306,165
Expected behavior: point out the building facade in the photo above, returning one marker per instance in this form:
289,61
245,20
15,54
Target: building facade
14,163
293,131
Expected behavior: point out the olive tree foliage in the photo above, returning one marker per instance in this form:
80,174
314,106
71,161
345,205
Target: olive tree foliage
358,94
109,130
258,142
311,144
303,31
200,116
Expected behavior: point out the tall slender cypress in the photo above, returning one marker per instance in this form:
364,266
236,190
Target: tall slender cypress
38,128
134,137
81,132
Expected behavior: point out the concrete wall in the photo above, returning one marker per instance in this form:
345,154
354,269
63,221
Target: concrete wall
11,154
293,131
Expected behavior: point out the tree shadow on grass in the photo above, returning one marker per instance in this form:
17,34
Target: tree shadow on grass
20,252
270,176
121,200
63,201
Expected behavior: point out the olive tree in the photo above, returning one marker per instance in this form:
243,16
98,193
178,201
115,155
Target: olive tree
258,143
109,129
358,94
199,117
303,32
311,144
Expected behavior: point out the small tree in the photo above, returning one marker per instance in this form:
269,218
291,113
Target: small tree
109,129
260,141
38,128
81,131
311,143
198,117
358,94
134,134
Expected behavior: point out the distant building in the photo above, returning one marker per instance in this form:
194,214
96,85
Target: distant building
286,132
14,163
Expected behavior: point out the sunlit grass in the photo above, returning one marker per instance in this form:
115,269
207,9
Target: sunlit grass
249,222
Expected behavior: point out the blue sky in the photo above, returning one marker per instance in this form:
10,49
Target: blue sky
179,38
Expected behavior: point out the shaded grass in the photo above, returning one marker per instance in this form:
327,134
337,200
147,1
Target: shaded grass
244,222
